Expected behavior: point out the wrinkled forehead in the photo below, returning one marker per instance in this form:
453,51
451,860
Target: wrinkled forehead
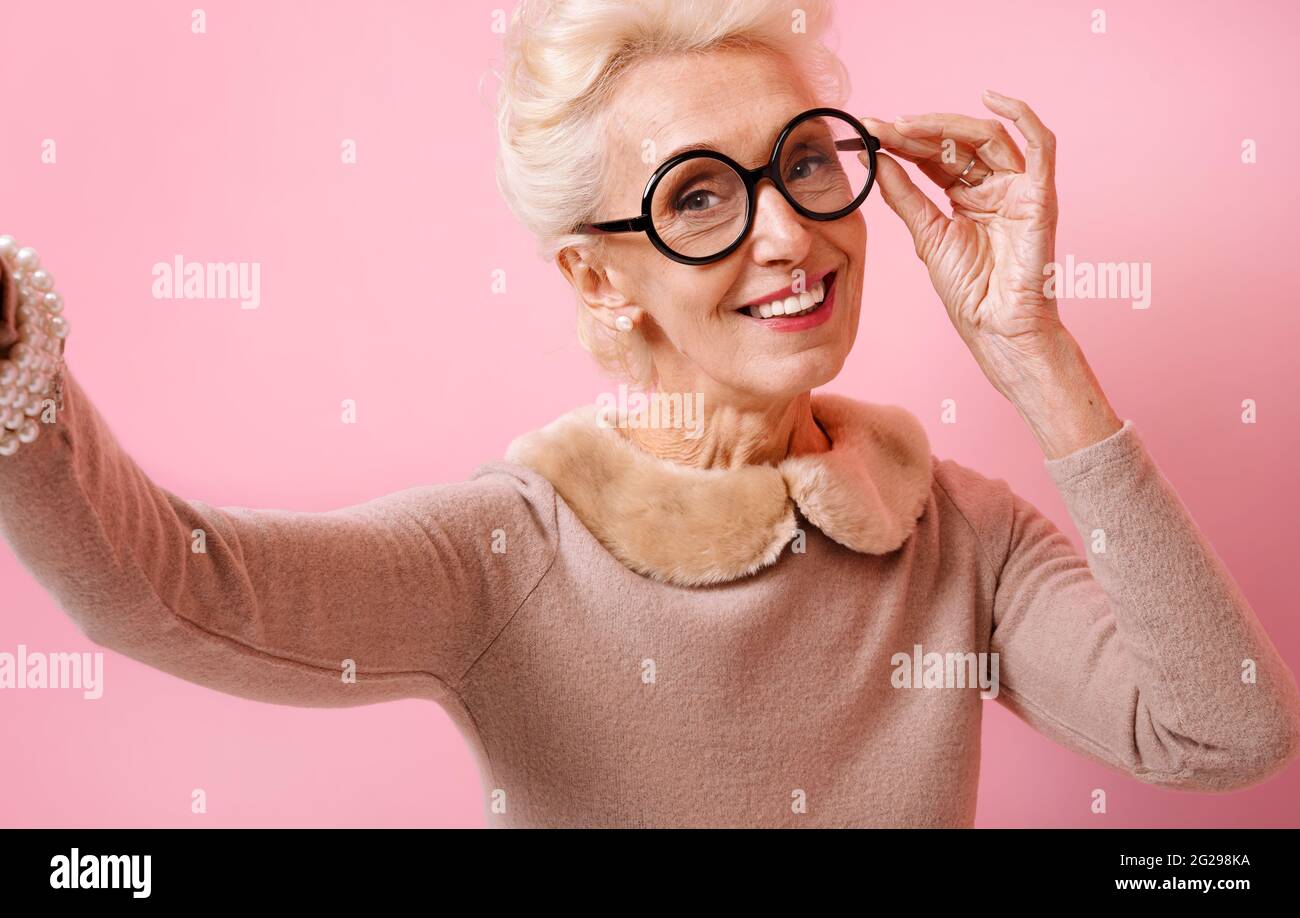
735,102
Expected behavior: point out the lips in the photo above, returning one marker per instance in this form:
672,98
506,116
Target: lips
802,319
789,304
788,300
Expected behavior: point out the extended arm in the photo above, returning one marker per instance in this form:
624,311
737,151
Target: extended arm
408,586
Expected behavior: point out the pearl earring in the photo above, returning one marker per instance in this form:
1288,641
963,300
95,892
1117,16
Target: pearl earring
623,323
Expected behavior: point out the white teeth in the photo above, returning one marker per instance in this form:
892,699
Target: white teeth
795,305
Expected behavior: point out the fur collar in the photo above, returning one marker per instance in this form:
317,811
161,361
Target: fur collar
694,527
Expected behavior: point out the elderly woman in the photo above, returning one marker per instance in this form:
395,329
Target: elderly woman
784,613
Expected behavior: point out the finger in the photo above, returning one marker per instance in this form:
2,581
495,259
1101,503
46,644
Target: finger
926,151
1040,143
987,136
919,214
914,149
927,155
946,179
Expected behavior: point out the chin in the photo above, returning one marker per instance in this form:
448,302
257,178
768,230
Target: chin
793,374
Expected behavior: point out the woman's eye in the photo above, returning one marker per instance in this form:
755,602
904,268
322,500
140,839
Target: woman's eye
806,167
695,200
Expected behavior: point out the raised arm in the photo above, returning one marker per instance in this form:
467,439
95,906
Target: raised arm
1145,656
411,587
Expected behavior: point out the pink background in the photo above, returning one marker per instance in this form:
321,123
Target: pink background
376,286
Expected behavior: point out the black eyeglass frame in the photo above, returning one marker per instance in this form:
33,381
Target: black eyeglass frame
751,177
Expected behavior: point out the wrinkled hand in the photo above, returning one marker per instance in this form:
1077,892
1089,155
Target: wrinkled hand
987,261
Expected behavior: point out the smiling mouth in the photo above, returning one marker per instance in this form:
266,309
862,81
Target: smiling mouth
799,304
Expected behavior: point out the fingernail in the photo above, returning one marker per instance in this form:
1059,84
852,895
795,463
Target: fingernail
996,95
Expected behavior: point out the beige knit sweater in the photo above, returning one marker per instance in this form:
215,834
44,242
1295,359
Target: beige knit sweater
627,642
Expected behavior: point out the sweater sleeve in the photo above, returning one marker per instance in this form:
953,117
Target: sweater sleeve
1145,656
405,590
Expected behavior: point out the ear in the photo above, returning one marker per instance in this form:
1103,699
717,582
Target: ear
595,288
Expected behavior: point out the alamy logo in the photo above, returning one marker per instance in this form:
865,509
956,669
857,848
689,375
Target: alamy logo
679,410
25,670
102,871
232,280
945,670
1100,281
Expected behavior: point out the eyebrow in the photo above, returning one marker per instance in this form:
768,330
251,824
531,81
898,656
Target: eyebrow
690,148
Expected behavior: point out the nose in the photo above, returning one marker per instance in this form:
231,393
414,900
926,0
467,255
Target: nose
779,235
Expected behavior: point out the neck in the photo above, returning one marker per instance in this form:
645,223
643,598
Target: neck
733,436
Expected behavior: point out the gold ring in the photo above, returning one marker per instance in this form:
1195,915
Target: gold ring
962,177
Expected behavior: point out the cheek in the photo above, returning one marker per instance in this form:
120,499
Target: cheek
851,240
852,232
689,298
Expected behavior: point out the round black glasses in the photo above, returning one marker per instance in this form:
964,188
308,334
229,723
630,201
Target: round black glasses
698,207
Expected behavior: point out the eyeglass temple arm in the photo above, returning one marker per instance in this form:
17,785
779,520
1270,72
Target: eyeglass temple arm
630,225
855,143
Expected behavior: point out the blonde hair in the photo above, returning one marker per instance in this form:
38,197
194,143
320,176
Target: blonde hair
563,60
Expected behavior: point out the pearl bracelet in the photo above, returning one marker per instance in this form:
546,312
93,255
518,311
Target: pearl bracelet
35,360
